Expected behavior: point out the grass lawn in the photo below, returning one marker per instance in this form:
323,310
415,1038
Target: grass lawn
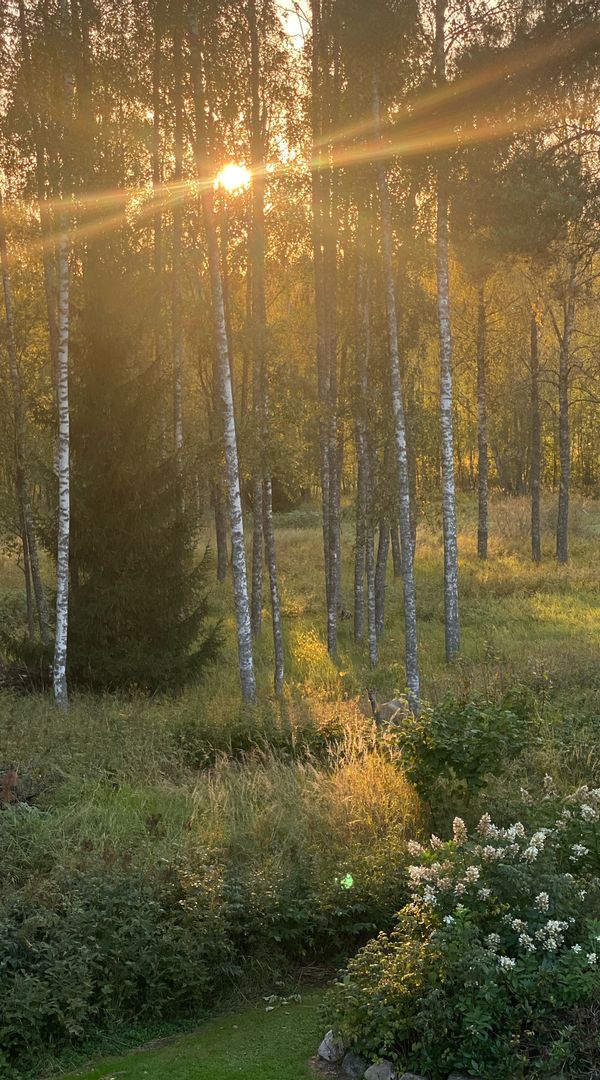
250,1043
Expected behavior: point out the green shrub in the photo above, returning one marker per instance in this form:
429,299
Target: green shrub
495,951
100,949
449,750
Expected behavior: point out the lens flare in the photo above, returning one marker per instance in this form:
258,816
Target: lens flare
233,178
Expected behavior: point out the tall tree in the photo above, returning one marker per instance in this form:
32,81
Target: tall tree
452,617
408,575
262,488
206,176
63,456
324,229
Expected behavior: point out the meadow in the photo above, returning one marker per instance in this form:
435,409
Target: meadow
264,813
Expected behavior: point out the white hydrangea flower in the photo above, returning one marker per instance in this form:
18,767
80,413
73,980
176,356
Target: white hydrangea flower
484,894
526,942
592,958
531,853
415,848
589,813
576,948
448,919
472,874
493,941
506,962
429,896
542,901
578,851
459,831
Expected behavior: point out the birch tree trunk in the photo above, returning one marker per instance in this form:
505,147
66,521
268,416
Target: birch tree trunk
564,436
63,456
30,546
240,574
482,429
325,260
260,335
452,619
408,578
64,480
176,298
536,440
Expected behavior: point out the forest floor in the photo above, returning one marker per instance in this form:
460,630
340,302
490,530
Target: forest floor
126,776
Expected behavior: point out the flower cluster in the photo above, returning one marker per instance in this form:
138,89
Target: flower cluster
513,881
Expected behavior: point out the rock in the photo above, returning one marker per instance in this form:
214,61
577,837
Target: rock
332,1048
384,1070
354,1066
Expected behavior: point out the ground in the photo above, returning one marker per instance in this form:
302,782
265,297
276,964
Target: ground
125,777
253,1044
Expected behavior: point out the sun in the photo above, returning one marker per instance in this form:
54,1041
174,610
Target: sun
233,177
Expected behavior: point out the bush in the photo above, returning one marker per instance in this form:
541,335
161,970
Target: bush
449,750
493,955
166,898
101,949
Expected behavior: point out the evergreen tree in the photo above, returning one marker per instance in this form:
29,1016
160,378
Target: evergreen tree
138,606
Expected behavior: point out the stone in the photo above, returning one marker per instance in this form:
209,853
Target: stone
332,1048
384,1070
353,1065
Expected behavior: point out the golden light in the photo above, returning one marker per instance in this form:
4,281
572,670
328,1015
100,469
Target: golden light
233,178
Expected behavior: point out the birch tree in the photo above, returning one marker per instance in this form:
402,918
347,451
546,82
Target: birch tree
397,400
205,176
263,490
452,619
63,455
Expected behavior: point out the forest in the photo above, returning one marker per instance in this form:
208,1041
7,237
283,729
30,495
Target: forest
299,539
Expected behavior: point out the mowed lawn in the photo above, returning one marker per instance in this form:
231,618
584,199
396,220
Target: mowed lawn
250,1043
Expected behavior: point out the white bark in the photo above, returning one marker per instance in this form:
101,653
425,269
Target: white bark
452,621
239,568
64,483
62,393
408,578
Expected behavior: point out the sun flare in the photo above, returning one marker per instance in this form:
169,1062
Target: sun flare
233,177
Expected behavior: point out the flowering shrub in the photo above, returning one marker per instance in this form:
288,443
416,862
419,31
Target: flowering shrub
495,950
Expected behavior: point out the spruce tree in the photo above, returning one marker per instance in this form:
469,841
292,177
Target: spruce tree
138,602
